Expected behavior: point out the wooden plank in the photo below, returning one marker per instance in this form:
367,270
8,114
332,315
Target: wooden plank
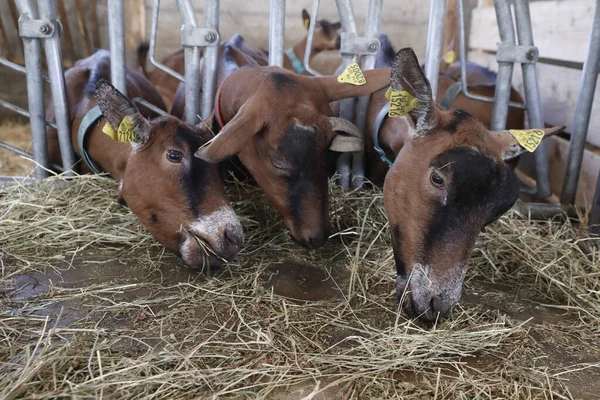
94,24
559,87
67,42
561,29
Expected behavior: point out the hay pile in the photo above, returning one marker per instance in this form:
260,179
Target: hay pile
137,325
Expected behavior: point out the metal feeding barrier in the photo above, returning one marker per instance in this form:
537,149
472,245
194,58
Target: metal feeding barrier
200,75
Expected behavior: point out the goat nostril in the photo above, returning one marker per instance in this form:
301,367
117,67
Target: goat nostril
437,305
231,238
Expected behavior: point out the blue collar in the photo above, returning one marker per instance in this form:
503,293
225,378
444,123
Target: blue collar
379,121
90,118
296,63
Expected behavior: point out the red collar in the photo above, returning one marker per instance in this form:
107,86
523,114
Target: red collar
218,105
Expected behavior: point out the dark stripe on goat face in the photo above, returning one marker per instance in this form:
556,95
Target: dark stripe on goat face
194,180
397,247
458,117
298,148
480,190
282,81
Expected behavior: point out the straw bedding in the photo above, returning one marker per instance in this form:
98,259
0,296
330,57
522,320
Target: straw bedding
114,316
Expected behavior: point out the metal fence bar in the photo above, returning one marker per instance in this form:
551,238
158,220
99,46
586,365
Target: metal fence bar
463,64
532,97
23,112
276,32
505,69
116,27
311,34
594,221
211,58
346,12
435,39
57,85
35,91
581,122
153,33
16,67
372,23
192,64
25,154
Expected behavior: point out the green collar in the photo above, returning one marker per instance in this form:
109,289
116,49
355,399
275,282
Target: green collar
90,118
379,121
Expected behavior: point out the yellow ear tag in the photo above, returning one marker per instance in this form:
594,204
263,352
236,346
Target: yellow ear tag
126,131
388,94
401,103
110,131
449,57
306,22
352,75
530,139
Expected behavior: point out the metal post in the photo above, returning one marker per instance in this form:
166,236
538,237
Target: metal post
153,31
116,27
211,58
276,32
532,97
594,221
57,86
192,64
435,39
311,34
372,24
583,110
505,69
35,92
346,12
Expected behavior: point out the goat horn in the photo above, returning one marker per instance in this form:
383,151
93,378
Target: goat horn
351,142
341,124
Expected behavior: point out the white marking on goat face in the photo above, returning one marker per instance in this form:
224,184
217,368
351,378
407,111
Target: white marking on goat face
301,126
212,227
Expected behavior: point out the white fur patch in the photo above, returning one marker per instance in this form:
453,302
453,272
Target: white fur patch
213,225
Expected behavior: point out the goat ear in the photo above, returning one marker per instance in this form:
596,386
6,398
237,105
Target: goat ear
248,121
305,18
118,109
510,147
375,79
337,26
408,76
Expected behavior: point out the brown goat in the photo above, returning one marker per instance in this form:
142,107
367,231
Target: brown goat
450,179
480,81
280,126
326,37
177,197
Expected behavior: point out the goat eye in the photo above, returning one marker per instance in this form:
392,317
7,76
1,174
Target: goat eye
174,156
436,179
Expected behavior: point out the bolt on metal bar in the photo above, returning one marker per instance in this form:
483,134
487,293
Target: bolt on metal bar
463,63
435,39
372,23
344,162
57,86
309,41
581,122
276,32
211,58
505,69
532,97
116,27
192,65
35,92
153,33
23,112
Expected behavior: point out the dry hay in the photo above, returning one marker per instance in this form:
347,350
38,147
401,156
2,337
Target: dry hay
19,135
134,331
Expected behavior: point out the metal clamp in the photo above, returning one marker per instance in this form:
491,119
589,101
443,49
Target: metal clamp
199,37
37,28
359,45
511,53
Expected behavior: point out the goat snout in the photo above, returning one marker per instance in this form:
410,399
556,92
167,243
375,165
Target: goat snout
233,240
311,239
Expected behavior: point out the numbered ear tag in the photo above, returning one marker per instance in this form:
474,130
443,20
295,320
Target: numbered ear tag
125,133
530,139
449,57
352,75
401,103
388,94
